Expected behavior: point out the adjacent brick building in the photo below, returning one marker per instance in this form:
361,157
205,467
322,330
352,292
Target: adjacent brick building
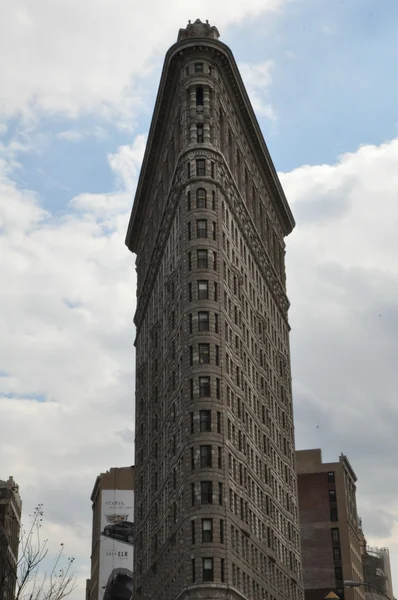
10,523
330,533
216,491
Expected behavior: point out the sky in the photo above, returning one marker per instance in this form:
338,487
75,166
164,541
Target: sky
78,85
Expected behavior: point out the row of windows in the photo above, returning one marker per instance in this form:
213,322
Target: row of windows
200,168
208,569
202,230
203,320
204,387
202,290
203,354
206,493
205,259
205,420
206,457
201,200
207,531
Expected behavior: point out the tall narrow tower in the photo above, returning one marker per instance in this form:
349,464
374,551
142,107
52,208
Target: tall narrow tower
216,495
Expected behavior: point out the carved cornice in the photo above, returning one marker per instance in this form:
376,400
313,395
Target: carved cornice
164,100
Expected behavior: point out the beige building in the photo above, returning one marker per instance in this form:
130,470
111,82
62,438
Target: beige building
114,482
10,522
377,572
331,539
216,498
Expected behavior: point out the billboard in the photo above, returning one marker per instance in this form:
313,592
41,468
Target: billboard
116,545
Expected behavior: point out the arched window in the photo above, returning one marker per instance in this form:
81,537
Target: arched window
199,96
201,198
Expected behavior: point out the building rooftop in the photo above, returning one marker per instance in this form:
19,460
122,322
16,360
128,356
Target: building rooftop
198,29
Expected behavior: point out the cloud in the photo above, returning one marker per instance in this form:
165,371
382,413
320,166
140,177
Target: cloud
257,79
343,287
72,58
70,135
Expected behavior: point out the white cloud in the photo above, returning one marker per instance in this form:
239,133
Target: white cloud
257,79
70,136
69,57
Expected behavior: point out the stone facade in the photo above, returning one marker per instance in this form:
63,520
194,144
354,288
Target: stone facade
330,531
216,494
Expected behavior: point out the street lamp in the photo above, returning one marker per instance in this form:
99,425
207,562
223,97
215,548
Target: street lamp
353,584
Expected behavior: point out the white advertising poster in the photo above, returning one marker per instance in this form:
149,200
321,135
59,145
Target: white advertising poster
116,545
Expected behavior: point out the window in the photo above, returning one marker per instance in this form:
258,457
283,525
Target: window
205,456
220,495
215,291
218,389
206,492
219,458
198,68
189,200
332,495
213,200
193,569
203,290
192,458
202,259
189,230
193,494
188,170
201,228
215,261
334,515
192,423
207,530
199,133
204,387
336,553
208,574
331,478
193,531
218,356
201,199
190,356
216,322
335,535
191,388
204,354
218,422
199,96
221,531
200,167
205,420
190,323
222,569
213,230
212,169
189,292
189,261
338,573
203,321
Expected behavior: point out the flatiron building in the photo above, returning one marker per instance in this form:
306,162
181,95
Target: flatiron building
215,487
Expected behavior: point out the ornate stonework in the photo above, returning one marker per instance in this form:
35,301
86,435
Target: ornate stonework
198,29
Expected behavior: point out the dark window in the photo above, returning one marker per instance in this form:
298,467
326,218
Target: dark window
191,388
331,478
202,259
188,170
201,228
222,569
221,531
199,133
218,388
205,456
193,494
193,531
189,200
200,167
205,420
208,573
191,355
189,230
198,68
335,535
203,290
204,387
216,322
189,261
218,422
201,200
190,323
207,530
217,355
192,458
203,321
332,495
220,494
215,261
193,569
213,200
215,291
212,169
199,96
192,423
219,457
338,573
334,515
189,292
206,492
213,227
204,354
336,553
